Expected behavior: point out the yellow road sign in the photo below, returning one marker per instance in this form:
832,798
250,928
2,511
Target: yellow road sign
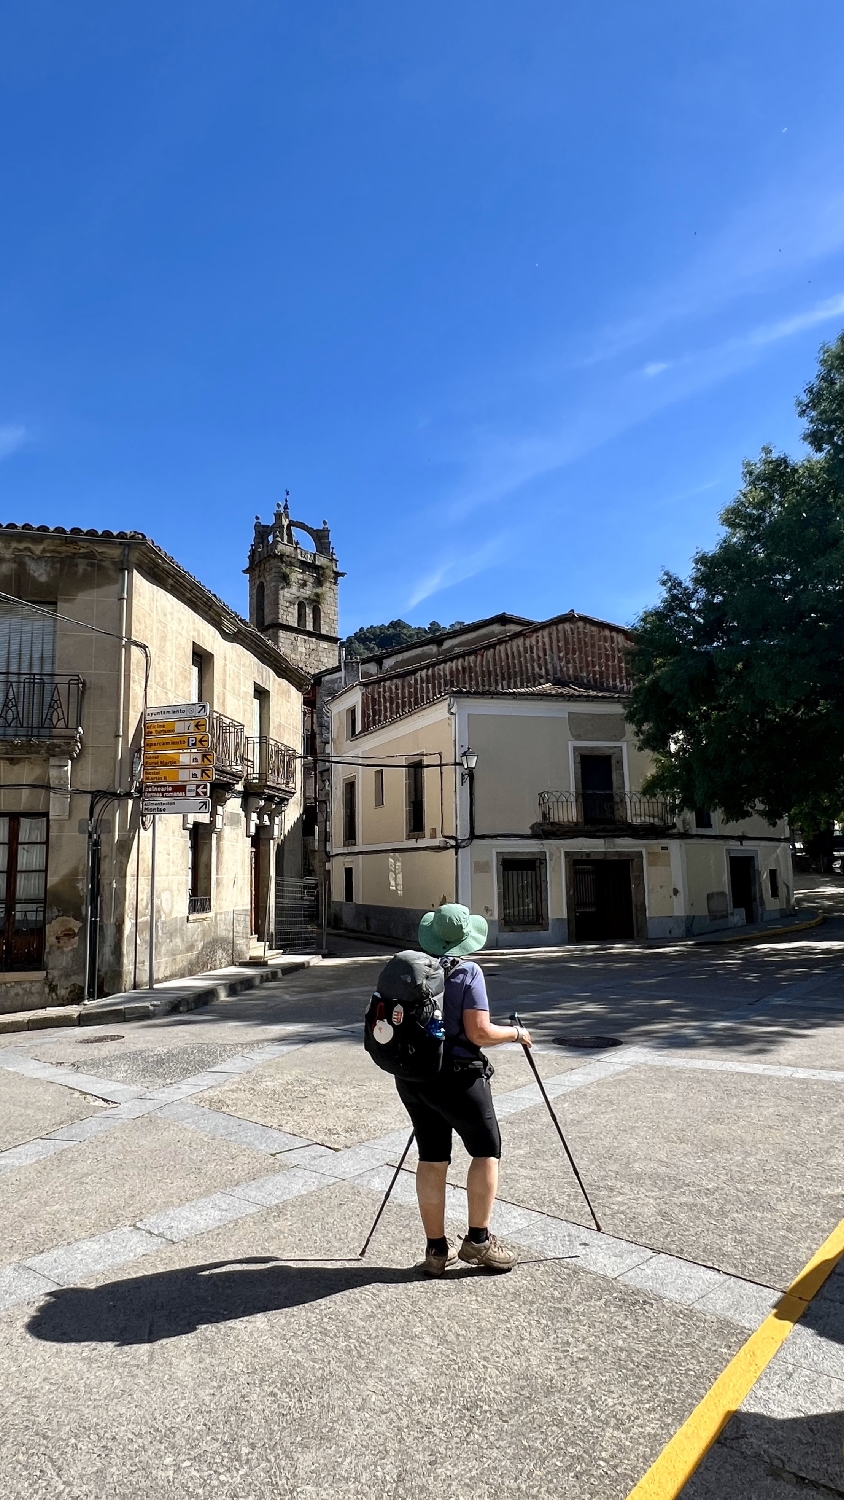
180,758
158,744
158,727
177,773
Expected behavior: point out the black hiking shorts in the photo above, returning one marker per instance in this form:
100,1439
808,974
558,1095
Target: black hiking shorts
454,1101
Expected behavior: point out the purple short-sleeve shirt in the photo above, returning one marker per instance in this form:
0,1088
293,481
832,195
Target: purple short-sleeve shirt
465,989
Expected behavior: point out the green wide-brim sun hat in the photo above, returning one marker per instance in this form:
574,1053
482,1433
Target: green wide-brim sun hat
452,931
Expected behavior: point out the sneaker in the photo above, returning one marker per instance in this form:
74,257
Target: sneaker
437,1265
491,1255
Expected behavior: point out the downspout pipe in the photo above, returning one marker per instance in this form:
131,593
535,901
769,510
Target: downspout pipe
452,713
123,599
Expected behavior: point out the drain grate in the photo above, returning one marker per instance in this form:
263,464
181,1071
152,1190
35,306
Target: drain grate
591,1043
110,1036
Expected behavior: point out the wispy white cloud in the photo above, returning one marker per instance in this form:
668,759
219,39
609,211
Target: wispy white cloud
757,338
11,438
457,568
782,232
499,465
574,405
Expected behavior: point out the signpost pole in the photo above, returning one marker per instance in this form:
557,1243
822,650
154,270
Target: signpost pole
151,963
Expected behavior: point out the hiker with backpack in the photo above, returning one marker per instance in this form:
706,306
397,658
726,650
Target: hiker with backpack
426,1024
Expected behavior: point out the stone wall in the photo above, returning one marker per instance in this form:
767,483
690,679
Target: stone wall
174,615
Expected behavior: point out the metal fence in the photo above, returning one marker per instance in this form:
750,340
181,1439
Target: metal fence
270,764
297,916
605,810
36,706
228,741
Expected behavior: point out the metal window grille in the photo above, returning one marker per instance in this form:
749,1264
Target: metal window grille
523,893
297,924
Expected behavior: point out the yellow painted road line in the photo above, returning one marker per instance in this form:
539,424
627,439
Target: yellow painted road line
682,1455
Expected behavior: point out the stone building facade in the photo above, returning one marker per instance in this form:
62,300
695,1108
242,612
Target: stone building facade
293,591
93,626
544,827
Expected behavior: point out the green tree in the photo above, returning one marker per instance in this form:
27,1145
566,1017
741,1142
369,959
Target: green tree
739,670
371,638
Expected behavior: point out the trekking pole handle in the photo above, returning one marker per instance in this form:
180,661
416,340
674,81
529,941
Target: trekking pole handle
515,1020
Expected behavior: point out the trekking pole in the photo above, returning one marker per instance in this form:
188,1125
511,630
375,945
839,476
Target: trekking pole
514,1019
386,1196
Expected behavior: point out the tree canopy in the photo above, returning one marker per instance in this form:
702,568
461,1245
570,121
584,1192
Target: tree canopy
371,638
739,669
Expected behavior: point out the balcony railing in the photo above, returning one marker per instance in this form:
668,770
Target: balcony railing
270,766
39,706
199,906
604,810
228,741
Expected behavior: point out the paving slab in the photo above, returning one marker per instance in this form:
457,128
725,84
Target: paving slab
342,1378
734,1171
512,1069
143,1063
70,1265
793,1426
31,1107
726,1472
228,1127
144,1166
22,1284
329,1092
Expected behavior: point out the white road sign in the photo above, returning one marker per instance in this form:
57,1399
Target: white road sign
197,807
177,711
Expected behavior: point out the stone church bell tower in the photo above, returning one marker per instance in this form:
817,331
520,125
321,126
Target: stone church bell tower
293,592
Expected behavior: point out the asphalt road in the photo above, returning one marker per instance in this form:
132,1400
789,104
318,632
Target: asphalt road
182,1202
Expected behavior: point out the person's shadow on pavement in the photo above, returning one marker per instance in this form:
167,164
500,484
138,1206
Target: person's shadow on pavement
169,1304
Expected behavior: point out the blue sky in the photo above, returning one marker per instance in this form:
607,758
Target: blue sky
504,292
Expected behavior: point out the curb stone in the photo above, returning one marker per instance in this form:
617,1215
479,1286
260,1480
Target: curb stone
759,930
166,999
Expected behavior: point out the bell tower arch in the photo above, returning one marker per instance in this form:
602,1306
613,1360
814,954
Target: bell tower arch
294,591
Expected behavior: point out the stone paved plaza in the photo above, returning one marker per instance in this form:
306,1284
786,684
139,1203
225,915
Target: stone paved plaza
183,1202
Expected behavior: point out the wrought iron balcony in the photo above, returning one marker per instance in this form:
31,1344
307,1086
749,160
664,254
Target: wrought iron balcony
270,766
568,812
199,906
43,709
228,741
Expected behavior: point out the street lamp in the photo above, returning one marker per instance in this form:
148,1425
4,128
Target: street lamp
468,761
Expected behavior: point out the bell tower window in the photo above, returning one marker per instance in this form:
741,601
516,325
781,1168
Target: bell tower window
293,588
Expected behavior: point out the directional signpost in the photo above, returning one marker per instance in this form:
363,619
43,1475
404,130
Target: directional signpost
178,760
177,776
